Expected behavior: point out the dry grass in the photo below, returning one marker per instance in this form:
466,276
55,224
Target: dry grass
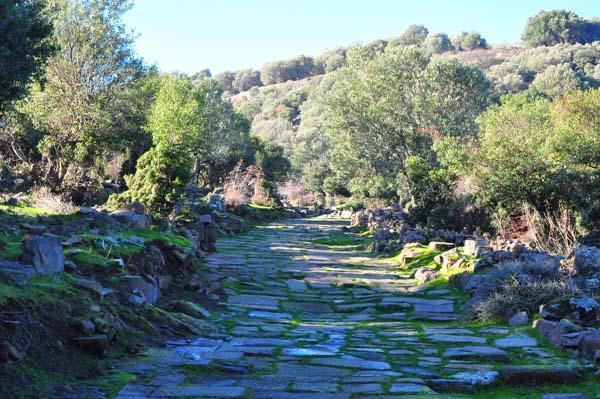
42,197
515,287
240,185
553,232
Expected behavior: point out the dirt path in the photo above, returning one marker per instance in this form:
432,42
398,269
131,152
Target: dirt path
307,322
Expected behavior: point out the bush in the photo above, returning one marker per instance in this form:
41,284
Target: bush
514,287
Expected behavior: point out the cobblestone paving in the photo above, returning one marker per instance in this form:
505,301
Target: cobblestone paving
304,322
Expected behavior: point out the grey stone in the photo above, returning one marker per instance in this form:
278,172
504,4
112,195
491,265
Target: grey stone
296,285
515,341
564,396
518,319
15,272
139,286
132,218
469,352
353,363
44,253
587,259
199,391
456,338
409,388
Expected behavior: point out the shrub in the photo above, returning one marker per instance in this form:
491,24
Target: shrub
514,287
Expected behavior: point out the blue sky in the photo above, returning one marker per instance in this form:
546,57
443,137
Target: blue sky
189,35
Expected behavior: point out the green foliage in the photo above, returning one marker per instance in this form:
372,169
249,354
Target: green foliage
24,45
548,28
293,69
414,35
84,97
556,80
541,153
383,111
437,43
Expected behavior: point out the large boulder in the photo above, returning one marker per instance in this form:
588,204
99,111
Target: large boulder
424,275
587,259
44,253
477,248
217,202
139,286
542,261
131,218
589,344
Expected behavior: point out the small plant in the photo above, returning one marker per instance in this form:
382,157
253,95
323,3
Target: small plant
554,232
514,287
42,197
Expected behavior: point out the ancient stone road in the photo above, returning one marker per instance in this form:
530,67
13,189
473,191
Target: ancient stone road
307,322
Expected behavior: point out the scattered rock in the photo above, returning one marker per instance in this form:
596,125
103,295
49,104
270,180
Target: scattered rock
44,253
589,344
139,286
477,248
132,218
441,246
136,300
423,275
519,319
8,353
15,272
85,327
587,259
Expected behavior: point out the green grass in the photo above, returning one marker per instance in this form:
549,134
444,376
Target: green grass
342,240
48,289
588,387
112,383
153,235
10,246
24,210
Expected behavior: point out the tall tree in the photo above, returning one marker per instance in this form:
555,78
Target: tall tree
85,83
24,45
383,111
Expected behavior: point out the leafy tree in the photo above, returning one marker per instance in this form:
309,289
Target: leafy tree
293,69
514,165
381,112
330,60
273,164
225,81
24,45
163,171
437,43
77,108
245,80
548,28
472,40
414,35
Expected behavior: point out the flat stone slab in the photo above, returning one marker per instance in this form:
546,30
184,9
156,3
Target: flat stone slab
485,352
409,388
296,285
269,315
515,341
456,338
299,371
199,391
564,396
352,363
254,302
